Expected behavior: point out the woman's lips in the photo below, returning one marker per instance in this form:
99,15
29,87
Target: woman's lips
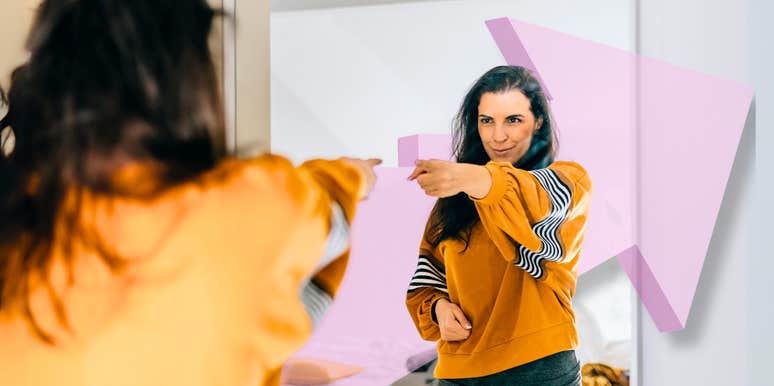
502,151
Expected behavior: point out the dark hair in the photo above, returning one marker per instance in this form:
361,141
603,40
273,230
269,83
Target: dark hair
107,83
454,217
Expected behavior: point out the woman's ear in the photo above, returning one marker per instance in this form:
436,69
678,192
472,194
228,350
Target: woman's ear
538,125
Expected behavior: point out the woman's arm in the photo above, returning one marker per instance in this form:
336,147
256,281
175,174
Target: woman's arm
535,218
441,178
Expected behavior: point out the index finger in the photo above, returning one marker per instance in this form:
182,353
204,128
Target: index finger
416,173
421,167
373,161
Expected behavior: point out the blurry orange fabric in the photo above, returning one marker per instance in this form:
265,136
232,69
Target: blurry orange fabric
210,291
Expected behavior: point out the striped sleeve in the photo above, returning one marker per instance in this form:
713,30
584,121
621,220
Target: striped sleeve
429,274
316,300
342,185
537,218
427,286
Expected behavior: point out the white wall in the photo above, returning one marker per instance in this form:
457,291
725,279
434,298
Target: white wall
351,80
15,20
709,36
760,286
247,81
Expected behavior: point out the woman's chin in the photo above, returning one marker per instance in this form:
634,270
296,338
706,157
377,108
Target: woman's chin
502,158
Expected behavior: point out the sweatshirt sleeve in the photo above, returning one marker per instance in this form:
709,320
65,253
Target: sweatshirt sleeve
426,287
312,208
341,184
274,241
537,218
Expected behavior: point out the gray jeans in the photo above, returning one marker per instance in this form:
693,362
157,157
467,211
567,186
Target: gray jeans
560,369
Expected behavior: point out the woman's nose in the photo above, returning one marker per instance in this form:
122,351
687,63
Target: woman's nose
499,134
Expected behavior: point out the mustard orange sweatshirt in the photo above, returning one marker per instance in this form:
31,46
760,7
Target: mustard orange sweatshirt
516,280
226,276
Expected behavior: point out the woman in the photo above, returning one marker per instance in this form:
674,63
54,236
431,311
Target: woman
132,250
497,263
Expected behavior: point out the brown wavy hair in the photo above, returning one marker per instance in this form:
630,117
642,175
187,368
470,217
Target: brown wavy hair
453,217
107,82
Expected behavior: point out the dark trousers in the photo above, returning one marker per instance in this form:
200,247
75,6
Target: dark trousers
560,369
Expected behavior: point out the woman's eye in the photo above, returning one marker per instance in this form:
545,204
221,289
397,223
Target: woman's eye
513,120
486,120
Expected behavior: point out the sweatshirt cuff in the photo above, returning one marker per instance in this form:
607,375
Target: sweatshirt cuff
497,190
428,308
433,315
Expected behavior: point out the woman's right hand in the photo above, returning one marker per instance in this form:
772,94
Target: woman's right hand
452,321
366,167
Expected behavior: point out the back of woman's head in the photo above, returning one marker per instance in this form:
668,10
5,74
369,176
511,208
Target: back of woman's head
453,217
107,83
106,76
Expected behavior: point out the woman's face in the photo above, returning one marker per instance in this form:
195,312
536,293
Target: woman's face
506,125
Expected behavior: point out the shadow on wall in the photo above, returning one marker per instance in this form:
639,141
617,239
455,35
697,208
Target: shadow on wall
720,256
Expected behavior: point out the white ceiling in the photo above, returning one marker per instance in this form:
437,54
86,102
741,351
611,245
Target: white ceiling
297,5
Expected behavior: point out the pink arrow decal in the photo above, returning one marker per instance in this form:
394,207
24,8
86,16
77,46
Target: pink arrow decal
659,142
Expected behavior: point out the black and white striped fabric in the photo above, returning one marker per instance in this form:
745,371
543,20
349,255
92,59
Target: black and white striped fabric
428,275
547,229
338,237
316,301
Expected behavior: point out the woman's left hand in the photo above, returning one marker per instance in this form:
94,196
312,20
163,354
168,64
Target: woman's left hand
439,178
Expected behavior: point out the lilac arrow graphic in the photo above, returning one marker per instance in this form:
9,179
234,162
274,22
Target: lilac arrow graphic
658,141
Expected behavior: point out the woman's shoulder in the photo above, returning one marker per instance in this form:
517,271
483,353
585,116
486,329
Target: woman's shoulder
240,202
568,167
265,174
572,171
229,168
